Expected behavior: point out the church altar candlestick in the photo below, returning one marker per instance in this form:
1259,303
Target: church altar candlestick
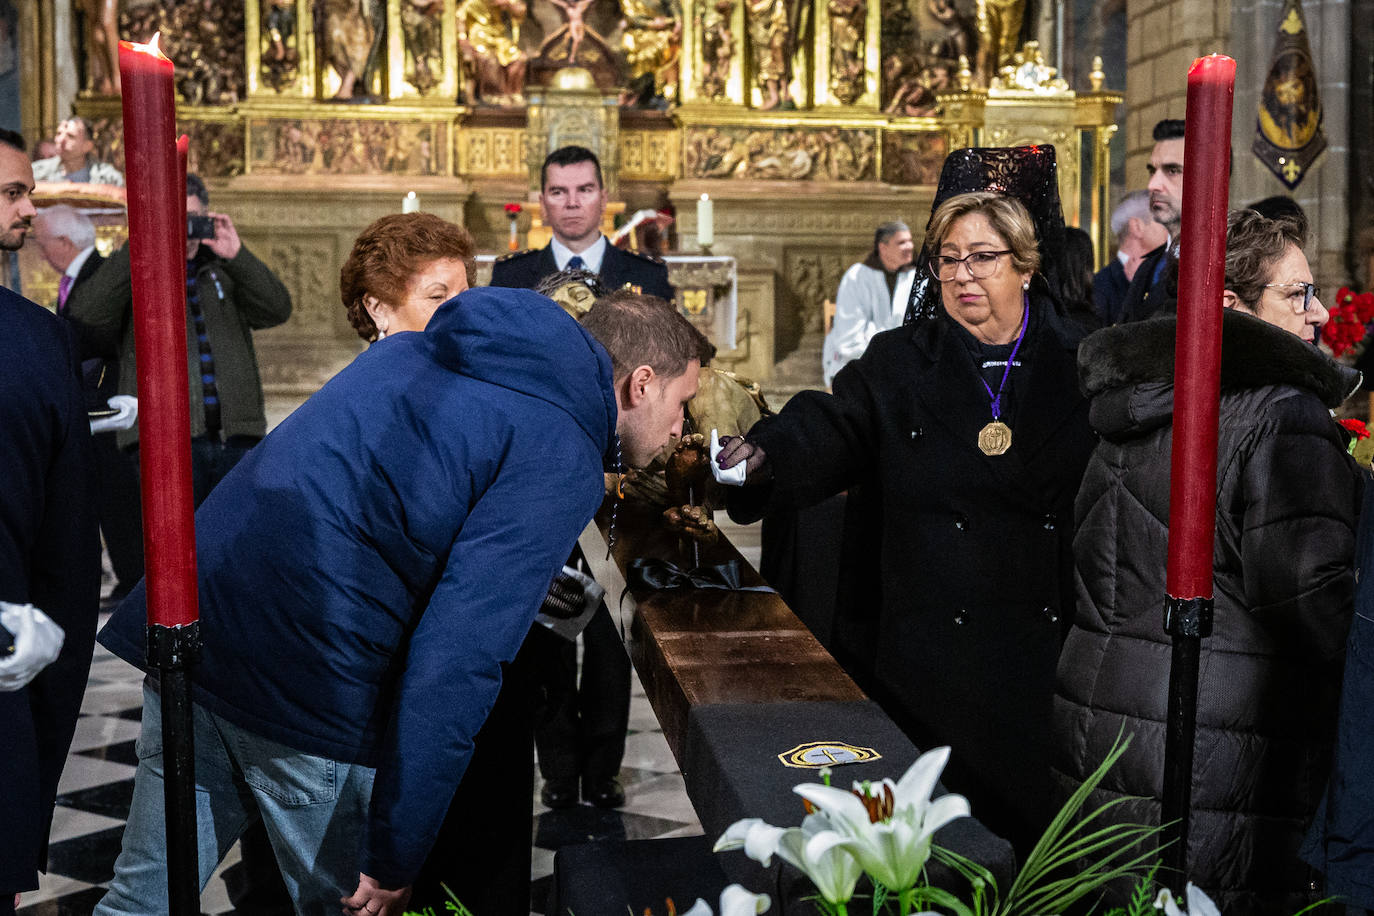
706,221
1188,602
410,203
157,253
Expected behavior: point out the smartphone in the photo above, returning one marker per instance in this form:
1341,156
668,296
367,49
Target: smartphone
200,227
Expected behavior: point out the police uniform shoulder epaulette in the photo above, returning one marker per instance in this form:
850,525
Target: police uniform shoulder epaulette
643,256
515,255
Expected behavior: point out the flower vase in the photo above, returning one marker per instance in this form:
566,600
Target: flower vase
514,244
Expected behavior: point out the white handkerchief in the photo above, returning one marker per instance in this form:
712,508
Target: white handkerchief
732,477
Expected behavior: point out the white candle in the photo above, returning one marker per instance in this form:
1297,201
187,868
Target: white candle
410,203
706,221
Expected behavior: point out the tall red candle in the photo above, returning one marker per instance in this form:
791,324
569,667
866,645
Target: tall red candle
157,252
1197,358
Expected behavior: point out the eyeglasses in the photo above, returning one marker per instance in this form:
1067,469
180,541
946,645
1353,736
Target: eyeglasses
980,264
1310,291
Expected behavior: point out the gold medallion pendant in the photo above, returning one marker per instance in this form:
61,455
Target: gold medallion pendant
995,438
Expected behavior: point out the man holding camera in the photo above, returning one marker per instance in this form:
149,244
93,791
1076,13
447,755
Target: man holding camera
229,294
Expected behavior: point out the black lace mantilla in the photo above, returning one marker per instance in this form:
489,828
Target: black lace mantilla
1027,173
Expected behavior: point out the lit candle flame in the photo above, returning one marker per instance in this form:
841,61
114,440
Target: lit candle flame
151,47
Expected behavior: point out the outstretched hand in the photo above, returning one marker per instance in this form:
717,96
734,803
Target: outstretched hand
734,449
370,899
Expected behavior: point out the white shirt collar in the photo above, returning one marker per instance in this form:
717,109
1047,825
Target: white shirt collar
78,262
562,254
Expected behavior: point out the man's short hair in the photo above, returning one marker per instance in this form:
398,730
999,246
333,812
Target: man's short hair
11,139
1168,129
65,222
85,126
641,330
569,155
1135,205
196,188
887,231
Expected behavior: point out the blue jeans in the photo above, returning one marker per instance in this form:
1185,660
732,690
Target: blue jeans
314,809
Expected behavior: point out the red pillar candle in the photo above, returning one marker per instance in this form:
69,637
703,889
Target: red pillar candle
157,252
1197,358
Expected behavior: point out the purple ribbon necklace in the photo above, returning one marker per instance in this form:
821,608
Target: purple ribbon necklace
995,438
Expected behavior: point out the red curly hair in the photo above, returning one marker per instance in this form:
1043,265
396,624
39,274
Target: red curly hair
389,253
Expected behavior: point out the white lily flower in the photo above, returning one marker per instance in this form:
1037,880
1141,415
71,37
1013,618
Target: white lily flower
734,901
892,844
813,849
1199,904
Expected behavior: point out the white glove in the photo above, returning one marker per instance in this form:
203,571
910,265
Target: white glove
37,640
126,415
732,477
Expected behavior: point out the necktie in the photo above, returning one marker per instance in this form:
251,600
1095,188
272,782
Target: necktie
576,263
64,289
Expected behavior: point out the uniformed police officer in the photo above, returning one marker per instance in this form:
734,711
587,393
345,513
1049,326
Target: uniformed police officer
574,201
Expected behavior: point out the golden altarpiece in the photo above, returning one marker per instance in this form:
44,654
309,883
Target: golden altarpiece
808,122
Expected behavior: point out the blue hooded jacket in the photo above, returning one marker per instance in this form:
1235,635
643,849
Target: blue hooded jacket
365,569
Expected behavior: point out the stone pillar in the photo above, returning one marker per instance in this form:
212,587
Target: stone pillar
1162,39
1324,192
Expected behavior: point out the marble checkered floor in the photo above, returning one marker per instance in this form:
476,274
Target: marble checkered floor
97,785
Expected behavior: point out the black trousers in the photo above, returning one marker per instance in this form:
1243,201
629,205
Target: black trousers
482,852
580,728
117,502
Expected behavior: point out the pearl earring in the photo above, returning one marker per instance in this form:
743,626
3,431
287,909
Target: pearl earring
1026,285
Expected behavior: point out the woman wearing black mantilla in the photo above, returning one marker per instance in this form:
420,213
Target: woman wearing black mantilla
968,433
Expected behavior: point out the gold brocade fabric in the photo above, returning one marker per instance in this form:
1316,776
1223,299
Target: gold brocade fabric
487,32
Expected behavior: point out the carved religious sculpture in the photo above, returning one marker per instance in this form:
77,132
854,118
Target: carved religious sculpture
423,28
717,48
280,56
102,45
652,39
350,36
846,49
574,43
489,40
999,34
769,38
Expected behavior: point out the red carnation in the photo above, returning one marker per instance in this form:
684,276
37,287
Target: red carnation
1356,428
1364,307
512,209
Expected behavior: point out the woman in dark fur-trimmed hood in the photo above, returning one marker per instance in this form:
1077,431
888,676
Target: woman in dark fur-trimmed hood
1287,494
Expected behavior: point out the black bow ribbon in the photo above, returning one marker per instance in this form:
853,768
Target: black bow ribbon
661,574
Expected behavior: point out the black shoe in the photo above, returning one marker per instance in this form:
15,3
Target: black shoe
559,793
604,793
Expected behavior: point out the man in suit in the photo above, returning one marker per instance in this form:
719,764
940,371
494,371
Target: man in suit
1151,291
229,294
1137,235
49,551
573,201
66,238
580,731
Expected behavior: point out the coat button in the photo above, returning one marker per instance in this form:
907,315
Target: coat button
917,433
961,522
1050,615
1050,521
959,617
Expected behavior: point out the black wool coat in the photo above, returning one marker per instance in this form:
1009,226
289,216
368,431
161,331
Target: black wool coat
973,563
49,557
1287,494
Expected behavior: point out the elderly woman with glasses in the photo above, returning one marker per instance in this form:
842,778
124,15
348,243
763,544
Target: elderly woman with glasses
1286,500
968,429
